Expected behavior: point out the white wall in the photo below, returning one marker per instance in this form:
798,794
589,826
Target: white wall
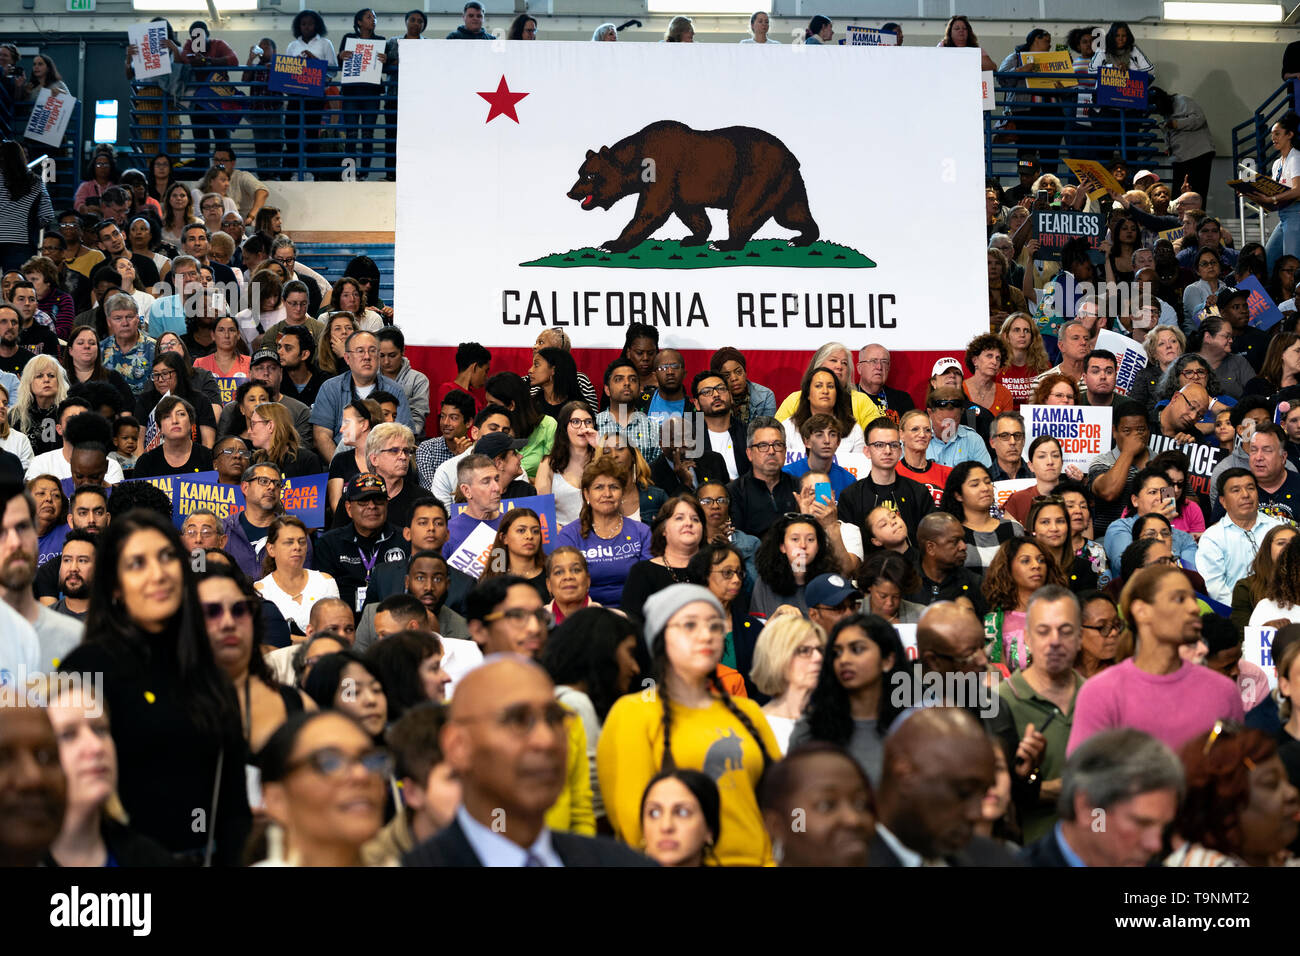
335,207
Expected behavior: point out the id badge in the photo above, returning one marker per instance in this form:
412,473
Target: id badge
361,599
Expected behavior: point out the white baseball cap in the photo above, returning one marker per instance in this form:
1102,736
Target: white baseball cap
944,364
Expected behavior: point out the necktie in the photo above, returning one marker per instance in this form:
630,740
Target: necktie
532,859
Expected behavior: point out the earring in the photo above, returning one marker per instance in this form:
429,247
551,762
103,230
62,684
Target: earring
778,851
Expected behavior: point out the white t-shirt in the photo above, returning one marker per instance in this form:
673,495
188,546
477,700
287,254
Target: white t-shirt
459,657
20,652
1270,610
319,47
778,43
721,443
1286,171
53,463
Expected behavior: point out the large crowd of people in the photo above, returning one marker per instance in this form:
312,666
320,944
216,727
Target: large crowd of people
654,614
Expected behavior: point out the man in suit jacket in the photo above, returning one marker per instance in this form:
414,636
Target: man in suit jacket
506,740
937,767
1119,790
723,433
686,463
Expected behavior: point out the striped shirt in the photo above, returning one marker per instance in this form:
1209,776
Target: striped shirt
16,214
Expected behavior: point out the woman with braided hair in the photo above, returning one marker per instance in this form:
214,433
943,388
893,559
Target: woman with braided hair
686,719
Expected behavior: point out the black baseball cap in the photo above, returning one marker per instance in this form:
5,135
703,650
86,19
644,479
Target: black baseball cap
364,486
265,355
497,443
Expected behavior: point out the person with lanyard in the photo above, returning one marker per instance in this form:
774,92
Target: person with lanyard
246,531
873,371
351,552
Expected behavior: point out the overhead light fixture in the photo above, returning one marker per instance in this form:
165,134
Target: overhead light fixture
1224,12
698,7
192,6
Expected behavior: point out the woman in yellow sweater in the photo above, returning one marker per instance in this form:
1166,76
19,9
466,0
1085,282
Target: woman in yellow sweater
686,719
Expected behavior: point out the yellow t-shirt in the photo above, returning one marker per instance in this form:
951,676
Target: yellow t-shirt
864,409
709,739
573,812
88,259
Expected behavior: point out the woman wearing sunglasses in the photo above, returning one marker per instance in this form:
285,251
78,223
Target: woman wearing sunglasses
234,621
175,716
325,784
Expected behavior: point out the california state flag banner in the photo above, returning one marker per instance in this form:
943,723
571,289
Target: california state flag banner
766,197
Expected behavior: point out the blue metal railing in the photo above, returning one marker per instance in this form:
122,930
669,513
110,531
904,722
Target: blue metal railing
349,134
1054,128
1250,140
330,259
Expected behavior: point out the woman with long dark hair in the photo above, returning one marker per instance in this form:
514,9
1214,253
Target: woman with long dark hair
1212,342
720,567
100,175
554,381
1120,50
409,666
691,721
197,385
958,32
23,201
171,376
820,393
159,177
560,472
968,497
175,716
1125,239
1251,590
1049,524
1281,368
519,542
793,552
681,818
1282,280
178,212
527,421
885,576
675,537
852,705
1019,568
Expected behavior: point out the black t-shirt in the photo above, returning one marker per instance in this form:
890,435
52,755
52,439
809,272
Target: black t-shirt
154,463
198,351
911,499
203,416
344,466
39,340
17,362
306,463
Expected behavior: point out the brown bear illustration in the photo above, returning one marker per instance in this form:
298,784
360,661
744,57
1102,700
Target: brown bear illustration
746,171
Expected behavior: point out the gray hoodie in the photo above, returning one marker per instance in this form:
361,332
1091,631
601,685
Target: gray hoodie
416,386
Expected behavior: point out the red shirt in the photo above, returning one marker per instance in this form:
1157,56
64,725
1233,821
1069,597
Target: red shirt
1019,381
934,477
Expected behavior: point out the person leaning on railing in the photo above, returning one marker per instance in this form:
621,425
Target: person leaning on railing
202,50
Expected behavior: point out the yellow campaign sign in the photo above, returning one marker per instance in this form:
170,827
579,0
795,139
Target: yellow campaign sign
1094,177
1050,62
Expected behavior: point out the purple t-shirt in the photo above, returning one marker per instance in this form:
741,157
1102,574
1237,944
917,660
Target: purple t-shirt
461,527
1173,708
608,559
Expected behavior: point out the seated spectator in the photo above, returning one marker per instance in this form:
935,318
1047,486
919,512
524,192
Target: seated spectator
969,498
1048,523
1016,572
641,498
1129,776
1213,341
394,364
1075,340
837,358
675,538
362,378
490,419
1150,493
842,826
40,394
1007,440
529,425
873,372
669,397
884,579
1280,368
765,492
682,464
81,363
454,419
83,456
1098,386
952,442
1046,464
1188,515
179,453
792,553
1054,388
882,485
409,666
332,343
1004,298
941,544
1026,356
569,583
559,339
916,433
1251,590
347,296
822,394
478,481
622,418
293,588
787,662
819,437
1155,690
1228,547
126,350
599,525
517,551
749,399
170,378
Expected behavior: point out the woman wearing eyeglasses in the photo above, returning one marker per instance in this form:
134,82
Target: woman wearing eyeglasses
692,722
720,567
675,538
1240,809
969,498
179,453
916,432
290,586
325,784
1104,641
1204,292
792,553
1212,341
171,377
1017,570
560,472
1049,524
235,628
1255,587
787,662
197,385
1163,345
852,705
176,721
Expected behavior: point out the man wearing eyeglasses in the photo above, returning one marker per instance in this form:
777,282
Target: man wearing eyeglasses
1228,547
953,442
246,531
352,552
669,398
766,492
360,381
390,449
883,486
168,313
318,290
1177,420
873,371
831,598
723,431
1007,439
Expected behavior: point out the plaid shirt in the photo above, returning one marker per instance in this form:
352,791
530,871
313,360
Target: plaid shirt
641,432
135,365
428,456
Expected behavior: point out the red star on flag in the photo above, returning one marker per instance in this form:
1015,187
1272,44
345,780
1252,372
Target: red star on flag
503,101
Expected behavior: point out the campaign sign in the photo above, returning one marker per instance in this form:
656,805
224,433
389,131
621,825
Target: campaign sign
866,36
1094,178
474,552
1121,88
1130,358
544,505
1053,228
1258,649
152,58
304,497
1083,431
1004,489
987,84
301,75
363,65
1059,63
50,115
227,385
1173,235
1264,313
717,219
1203,459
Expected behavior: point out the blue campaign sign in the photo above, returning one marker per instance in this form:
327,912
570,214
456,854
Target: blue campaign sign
544,505
303,497
300,75
1122,89
1264,313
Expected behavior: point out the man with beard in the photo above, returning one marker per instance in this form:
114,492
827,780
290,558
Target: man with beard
724,433
33,335
669,398
76,574
56,633
112,243
297,351
13,357
246,531
622,417
426,583
88,514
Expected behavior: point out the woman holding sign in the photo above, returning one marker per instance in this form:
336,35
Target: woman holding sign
45,76
361,103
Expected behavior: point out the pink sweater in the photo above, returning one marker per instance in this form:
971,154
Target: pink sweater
1170,707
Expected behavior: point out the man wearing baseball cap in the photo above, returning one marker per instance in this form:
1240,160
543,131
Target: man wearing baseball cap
948,373
352,552
1027,170
831,597
1145,179
265,367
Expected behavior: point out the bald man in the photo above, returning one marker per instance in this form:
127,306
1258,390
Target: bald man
33,790
505,739
938,766
941,547
1178,419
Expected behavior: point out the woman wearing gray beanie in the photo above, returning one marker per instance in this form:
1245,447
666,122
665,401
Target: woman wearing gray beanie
685,718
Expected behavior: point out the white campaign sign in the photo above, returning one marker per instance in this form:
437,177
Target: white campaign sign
363,65
1083,431
715,191
1130,358
152,57
472,555
50,115
1258,649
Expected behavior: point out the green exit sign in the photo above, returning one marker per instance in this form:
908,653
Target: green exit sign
80,6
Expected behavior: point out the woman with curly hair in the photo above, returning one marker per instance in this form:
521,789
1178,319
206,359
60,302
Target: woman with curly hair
883,579
1251,590
1190,369
517,550
793,552
1004,298
348,296
852,705
821,393
1240,809
1019,569
968,497
1026,356
986,357
1056,389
